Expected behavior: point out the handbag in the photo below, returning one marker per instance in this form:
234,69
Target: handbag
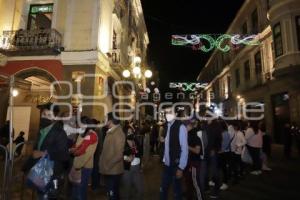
40,174
75,175
246,157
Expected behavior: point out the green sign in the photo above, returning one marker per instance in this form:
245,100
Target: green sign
41,9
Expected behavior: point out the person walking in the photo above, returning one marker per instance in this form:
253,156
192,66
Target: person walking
254,144
111,159
175,155
192,172
132,179
225,155
214,134
237,145
266,147
83,151
202,134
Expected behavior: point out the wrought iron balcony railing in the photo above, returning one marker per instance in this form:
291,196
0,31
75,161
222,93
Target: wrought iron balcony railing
30,40
115,57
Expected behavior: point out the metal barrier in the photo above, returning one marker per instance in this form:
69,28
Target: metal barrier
8,178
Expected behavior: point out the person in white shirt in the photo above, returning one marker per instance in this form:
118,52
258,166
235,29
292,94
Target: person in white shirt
237,145
254,144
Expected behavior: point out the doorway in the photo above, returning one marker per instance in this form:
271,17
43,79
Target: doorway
40,16
281,115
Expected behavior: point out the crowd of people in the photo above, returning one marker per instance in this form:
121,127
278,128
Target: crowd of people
211,156
198,157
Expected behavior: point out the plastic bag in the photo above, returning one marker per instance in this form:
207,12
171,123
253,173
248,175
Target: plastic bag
246,157
41,173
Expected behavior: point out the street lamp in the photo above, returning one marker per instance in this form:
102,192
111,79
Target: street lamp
126,73
137,72
148,73
15,92
137,61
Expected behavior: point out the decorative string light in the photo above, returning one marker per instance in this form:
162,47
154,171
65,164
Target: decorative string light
207,42
188,86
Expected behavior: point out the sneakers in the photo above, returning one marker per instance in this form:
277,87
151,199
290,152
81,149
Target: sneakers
211,184
256,173
224,187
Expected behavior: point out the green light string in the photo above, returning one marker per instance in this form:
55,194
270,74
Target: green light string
197,42
220,41
211,41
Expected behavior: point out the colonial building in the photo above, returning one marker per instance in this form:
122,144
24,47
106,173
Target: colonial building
83,45
267,73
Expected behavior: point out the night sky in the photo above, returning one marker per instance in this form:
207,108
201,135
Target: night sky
167,17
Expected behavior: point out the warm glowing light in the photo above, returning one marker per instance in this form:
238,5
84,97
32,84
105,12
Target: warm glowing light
136,71
137,60
148,73
238,96
152,83
15,92
126,73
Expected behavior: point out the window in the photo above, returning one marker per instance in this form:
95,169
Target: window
247,70
298,30
245,28
237,78
277,40
40,16
229,83
258,64
115,40
254,18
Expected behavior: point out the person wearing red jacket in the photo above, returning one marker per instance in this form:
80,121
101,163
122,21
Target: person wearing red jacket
83,151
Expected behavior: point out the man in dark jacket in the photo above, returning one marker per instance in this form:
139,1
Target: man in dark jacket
214,136
52,140
175,155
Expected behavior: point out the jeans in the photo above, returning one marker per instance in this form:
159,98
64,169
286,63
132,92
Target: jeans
132,184
112,183
169,177
255,155
79,191
214,167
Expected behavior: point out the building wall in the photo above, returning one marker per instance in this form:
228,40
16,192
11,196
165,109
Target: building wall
87,40
278,73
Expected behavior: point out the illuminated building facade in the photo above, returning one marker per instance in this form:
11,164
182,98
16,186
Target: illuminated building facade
61,40
267,74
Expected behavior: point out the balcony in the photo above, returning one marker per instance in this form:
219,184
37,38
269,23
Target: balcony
31,42
114,56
